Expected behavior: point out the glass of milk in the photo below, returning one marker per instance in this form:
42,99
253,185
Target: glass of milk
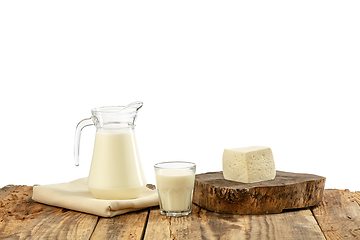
175,186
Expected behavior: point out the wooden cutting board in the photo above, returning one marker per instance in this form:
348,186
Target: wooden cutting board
287,191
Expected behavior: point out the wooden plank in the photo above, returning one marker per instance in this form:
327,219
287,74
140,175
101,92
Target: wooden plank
126,226
356,196
287,191
158,226
22,218
203,224
338,215
297,224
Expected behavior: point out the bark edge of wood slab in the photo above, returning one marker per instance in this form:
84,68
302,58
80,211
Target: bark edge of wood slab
287,191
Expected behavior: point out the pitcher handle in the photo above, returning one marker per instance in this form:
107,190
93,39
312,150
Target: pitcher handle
83,123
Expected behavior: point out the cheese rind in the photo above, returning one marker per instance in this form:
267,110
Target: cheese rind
249,164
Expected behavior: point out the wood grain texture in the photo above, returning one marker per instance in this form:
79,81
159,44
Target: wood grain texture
356,196
22,218
126,226
202,224
338,215
286,191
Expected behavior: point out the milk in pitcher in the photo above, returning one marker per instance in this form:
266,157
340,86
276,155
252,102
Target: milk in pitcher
114,150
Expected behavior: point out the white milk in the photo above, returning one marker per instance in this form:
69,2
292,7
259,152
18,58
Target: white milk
175,188
115,171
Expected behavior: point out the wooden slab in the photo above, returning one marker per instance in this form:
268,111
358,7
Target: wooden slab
339,214
126,226
286,191
22,218
337,217
202,224
356,196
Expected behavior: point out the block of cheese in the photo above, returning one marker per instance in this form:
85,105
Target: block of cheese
249,164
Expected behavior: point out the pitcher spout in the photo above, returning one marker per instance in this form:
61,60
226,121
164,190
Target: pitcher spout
116,116
135,105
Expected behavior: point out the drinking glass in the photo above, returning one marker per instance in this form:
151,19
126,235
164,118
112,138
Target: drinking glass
175,186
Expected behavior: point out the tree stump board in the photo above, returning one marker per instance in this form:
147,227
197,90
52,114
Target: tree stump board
287,191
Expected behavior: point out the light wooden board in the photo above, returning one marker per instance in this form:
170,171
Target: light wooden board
203,224
22,218
339,215
127,226
356,196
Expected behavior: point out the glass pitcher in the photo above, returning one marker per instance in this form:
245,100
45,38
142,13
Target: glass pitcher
116,171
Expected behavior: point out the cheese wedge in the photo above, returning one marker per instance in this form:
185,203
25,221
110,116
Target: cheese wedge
249,164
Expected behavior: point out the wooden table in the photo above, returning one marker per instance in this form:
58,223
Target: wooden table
337,217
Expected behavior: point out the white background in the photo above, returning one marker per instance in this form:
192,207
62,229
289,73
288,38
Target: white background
211,74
